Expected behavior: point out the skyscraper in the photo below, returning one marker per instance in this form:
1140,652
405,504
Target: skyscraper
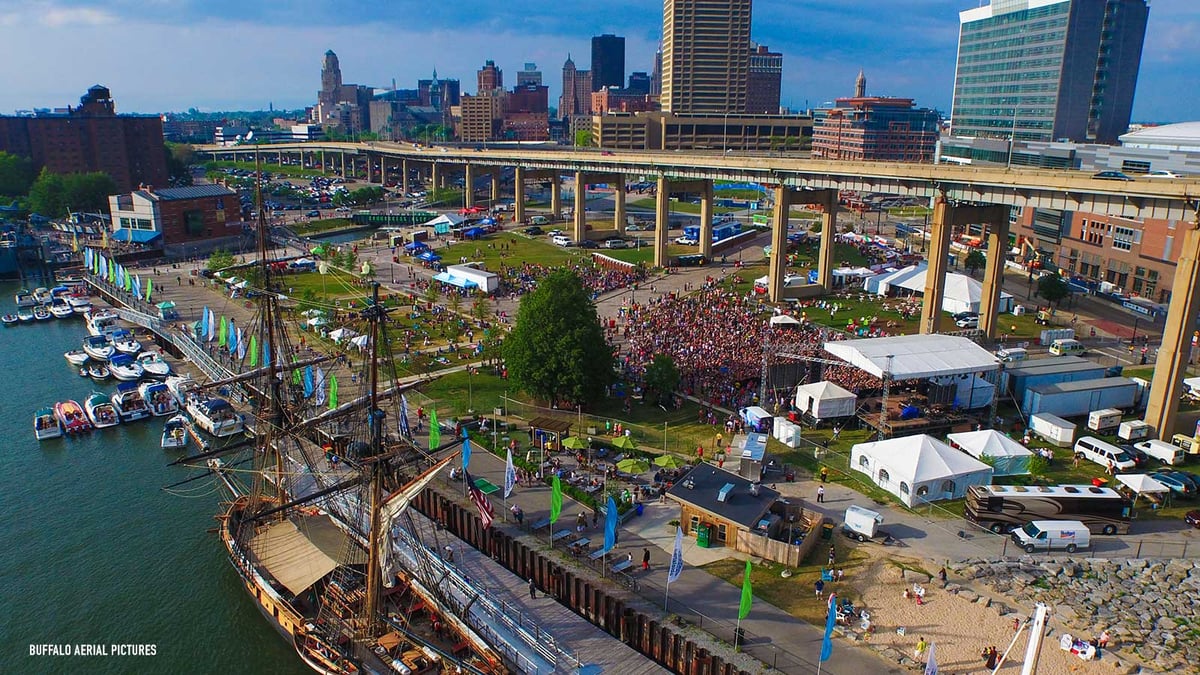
765,79
331,80
705,56
608,61
656,74
490,77
639,83
576,91
531,75
1043,70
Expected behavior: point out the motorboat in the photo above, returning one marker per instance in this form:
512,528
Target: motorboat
76,357
42,313
10,319
98,347
24,314
46,425
41,295
98,371
100,321
124,342
175,433
129,402
80,304
154,365
61,309
159,398
101,411
216,416
125,368
181,387
24,299
70,414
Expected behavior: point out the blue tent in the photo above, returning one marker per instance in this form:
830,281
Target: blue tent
474,232
429,256
488,221
416,246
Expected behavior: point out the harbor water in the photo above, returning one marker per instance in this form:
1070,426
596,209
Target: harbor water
94,553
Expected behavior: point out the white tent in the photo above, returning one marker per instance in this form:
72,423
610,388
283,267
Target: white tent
1142,484
919,469
825,400
1009,457
785,320
360,342
341,334
911,357
962,293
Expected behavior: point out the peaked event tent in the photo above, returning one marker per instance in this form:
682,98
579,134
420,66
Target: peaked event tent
962,294
915,357
1142,484
1010,457
825,400
919,469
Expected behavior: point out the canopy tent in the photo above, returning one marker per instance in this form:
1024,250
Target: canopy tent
166,304
447,278
911,357
474,232
318,321
359,341
341,334
785,320
1142,484
429,256
919,469
1009,457
962,293
415,246
291,558
444,223
487,221
825,400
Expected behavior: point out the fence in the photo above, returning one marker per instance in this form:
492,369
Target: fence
783,552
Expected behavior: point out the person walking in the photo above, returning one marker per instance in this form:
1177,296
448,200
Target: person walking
820,494
819,586
645,558
991,657
832,556
532,589
580,522
824,474
922,647
518,514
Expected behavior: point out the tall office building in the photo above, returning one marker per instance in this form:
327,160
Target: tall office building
705,56
608,61
765,80
331,79
531,75
576,91
639,83
656,74
1043,70
490,78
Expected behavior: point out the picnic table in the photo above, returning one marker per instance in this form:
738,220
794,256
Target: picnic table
597,554
561,534
544,522
622,566
486,486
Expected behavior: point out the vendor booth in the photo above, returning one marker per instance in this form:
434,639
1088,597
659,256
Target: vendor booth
919,469
1008,457
825,401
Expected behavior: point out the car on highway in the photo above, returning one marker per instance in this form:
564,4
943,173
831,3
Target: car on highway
687,241
1181,485
1111,175
1162,173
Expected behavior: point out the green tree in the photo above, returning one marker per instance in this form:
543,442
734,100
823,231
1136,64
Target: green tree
16,175
975,260
557,351
179,162
583,138
481,308
1052,288
48,194
219,260
662,377
454,304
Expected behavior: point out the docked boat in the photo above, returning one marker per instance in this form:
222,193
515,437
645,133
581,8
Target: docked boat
24,298
100,321
10,319
42,313
61,309
72,417
125,368
98,371
24,315
181,387
154,365
175,433
124,342
101,411
76,357
98,347
46,425
216,416
80,304
129,402
41,295
159,398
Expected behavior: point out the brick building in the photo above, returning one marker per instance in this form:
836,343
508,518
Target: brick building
92,137
875,128
180,220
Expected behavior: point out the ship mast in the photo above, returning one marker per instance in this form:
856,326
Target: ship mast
374,601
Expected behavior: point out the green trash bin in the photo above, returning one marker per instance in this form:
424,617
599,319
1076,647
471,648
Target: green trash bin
827,531
702,534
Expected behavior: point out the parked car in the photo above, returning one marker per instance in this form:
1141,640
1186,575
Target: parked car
1139,456
1111,175
1179,483
313,214
686,241
968,322
965,315
588,243
1192,518
533,230
615,242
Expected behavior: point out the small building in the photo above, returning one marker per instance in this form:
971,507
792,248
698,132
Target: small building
180,220
470,276
723,503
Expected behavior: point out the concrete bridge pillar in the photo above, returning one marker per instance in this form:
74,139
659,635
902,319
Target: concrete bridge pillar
555,198
434,177
279,157
662,220
935,276
993,277
777,267
619,203
370,169
468,186
342,172
706,218
1176,348
495,187
324,166
580,215
519,194
829,230
404,177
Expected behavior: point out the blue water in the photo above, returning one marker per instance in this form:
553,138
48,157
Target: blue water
93,551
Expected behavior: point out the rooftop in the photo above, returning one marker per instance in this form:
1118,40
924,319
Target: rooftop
1182,134
702,485
1084,385
189,192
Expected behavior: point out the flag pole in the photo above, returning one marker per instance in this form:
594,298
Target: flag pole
737,632
666,594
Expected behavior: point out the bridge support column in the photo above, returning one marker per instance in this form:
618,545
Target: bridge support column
519,194
935,275
580,214
468,186
619,203
495,187
1173,354
343,163
279,157
706,218
828,241
993,278
370,169
777,267
404,177
662,220
555,198
324,165
434,185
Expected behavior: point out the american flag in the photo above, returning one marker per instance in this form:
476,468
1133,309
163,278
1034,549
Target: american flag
486,514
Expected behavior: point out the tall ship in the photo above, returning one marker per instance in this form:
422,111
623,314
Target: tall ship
319,529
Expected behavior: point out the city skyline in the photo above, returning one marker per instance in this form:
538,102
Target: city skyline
907,51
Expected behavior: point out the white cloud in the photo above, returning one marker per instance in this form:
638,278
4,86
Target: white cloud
58,17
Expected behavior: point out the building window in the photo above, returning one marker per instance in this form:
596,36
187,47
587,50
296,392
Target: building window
721,532
884,476
1125,237
903,488
948,487
694,523
864,461
923,490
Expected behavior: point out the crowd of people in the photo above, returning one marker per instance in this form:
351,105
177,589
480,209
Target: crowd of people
517,280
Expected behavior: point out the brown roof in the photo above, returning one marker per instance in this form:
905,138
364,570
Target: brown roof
550,424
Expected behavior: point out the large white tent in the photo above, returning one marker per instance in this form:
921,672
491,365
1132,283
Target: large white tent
825,400
913,357
962,293
919,469
1142,484
1008,456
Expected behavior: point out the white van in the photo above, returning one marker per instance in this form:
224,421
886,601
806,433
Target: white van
562,240
1047,535
539,220
1012,354
1095,450
1164,452
1064,347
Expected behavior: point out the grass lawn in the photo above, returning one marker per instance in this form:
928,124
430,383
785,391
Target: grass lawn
315,226
633,255
737,193
910,211
522,249
807,256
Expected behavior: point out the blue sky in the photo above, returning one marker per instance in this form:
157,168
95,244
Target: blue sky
159,55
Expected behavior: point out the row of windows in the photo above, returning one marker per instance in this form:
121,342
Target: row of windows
1033,37
136,224
1012,55
1042,68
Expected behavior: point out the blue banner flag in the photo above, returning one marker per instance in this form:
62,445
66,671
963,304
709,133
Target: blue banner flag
610,525
404,430
510,475
308,381
466,452
830,621
676,567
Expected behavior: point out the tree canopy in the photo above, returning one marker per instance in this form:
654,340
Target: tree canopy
179,160
974,260
1052,288
662,377
556,350
16,175
55,195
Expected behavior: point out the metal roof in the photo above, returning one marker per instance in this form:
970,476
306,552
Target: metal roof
1084,385
702,485
1053,364
191,192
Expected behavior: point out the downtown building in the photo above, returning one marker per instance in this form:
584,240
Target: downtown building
347,106
765,80
875,128
608,61
1048,70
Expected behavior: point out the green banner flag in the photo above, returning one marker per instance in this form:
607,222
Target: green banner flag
747,595
555,500
253,351
149,288
221,332
435,433
296,377
332,392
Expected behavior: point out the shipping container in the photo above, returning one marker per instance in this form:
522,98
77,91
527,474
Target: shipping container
1073,399
1053,429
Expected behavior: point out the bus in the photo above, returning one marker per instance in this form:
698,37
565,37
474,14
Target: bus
1003,508
720,231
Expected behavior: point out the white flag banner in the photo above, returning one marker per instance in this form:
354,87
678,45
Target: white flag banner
319,386
676,567
510,475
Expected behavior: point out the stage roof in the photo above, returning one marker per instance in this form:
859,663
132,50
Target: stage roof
915,356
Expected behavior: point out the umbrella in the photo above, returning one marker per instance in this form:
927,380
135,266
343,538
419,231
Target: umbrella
633,466
624,443
575,443
667,462
166,305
